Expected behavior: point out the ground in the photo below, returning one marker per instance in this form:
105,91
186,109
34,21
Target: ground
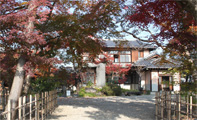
105,108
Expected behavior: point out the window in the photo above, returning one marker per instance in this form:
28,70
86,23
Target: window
125,52
125,58
112,52
116,58
121,56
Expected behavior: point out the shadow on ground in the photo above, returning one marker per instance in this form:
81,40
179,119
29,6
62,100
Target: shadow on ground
107,108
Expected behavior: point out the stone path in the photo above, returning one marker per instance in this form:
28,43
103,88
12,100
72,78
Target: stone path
106,108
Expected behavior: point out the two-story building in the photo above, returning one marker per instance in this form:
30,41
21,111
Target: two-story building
146,71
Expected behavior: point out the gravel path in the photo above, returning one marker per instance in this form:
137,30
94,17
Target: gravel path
105,108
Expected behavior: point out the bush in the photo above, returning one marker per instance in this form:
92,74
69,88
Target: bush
112,89
83,93
43,84
89,84
107,90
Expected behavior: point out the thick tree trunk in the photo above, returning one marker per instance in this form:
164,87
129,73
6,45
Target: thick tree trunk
17,84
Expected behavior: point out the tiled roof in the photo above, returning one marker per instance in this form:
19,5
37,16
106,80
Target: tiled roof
130,44
153,63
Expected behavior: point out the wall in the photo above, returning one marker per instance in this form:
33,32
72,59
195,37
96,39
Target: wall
143,80
134,86
154,80
176,79
100,75
89,75
125,86
147,76
146,53
134,55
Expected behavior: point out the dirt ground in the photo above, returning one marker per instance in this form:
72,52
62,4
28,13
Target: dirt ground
105,108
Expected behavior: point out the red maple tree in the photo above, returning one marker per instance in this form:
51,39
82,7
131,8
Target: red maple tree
168,24
113,70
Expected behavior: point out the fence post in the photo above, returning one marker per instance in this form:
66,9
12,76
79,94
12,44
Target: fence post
159,105
3,97
191,107
162,105
24,101
187,107
37,108
9,110
169,105
51,101
20,107
42,106
45,104
30,106
55,98
50,95
178,106
156,106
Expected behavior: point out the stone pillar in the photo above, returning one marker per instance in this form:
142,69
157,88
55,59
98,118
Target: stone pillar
100,75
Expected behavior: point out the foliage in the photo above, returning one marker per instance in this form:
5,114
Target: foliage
65,77
188,88
115,72
89,84
38,30
107,90
148,92
43,84
168,24
83,93
126,90
85,26
112,89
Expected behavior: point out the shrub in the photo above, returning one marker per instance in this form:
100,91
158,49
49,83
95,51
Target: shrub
89,84
112,89
116,89
83,93
107,90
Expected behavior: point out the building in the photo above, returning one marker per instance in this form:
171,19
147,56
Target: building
146,71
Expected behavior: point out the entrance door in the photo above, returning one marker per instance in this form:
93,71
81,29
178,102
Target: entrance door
164,83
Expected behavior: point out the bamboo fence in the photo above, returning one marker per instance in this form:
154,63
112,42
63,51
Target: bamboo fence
4,93
173,107
32,107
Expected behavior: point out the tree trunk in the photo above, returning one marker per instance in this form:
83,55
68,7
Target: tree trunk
17,84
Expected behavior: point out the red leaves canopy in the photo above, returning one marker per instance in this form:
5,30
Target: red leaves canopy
171,22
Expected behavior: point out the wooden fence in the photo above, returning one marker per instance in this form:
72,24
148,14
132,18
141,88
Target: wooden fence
4,93
174,107
32,107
